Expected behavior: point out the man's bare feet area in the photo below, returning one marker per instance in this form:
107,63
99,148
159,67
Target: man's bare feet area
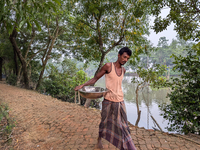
99,143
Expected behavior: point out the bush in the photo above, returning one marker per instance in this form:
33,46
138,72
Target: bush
184,110
62,80
12,79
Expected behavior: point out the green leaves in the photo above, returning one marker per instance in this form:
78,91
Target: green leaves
184,14
63,77
100,26
152,76
21,23
37,25
57,1
184,110
17,14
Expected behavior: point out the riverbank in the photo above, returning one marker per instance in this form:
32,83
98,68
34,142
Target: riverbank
45,123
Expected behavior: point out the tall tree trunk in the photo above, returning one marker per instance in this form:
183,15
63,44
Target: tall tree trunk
45,62
47,54
101,63
16,63
1,65
40,77
25,75
21,58
19,76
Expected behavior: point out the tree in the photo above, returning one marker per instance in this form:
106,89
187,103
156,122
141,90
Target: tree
184,14
148,77
162,54
55,28
184,110
100,26
7,59
18,14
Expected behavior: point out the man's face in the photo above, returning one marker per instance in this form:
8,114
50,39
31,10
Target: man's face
123,58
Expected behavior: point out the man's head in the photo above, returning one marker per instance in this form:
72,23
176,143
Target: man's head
124,55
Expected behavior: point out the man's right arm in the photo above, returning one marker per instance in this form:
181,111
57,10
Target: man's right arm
92,81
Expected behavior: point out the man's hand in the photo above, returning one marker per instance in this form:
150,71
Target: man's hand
78,87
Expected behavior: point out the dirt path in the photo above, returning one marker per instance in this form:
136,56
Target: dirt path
45,123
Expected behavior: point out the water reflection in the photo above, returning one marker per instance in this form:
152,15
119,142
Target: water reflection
149,100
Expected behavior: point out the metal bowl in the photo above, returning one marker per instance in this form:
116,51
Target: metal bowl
91,92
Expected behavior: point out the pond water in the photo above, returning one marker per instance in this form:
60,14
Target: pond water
149,101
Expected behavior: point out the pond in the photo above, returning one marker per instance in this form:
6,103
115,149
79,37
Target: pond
149,101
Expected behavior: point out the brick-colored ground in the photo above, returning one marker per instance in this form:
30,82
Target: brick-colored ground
45,123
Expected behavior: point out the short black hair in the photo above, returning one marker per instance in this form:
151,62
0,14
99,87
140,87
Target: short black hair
125,49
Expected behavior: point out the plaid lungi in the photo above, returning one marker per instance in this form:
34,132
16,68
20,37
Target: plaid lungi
114,126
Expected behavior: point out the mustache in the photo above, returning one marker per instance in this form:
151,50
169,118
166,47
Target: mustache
123,62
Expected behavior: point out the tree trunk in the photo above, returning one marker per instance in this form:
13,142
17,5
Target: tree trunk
5,71
16,63
21,58
19,76
100,64
138,110
45,62
25,74
138,119
1,65
40,77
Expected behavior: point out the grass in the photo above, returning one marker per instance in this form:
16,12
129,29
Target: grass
6,127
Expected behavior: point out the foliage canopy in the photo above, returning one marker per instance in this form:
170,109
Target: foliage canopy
184,14
184,110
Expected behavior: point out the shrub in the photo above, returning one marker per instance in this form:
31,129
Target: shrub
62,80
184,110
12,79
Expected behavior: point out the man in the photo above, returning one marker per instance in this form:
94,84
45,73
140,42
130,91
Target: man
114,126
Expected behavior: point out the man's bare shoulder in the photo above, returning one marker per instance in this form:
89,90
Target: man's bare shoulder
108,64
108,67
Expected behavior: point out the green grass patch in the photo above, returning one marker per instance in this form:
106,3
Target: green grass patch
6,126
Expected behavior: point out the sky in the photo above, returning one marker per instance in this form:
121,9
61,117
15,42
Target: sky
169,33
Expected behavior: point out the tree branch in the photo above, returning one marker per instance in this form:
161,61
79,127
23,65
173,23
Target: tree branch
46,50
32,56
52,42
32,38
100,36
143,86
23,35
48,29
88,25
121,37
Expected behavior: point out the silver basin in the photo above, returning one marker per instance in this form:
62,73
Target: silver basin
92,92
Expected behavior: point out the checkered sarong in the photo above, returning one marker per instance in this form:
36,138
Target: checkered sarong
114,126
